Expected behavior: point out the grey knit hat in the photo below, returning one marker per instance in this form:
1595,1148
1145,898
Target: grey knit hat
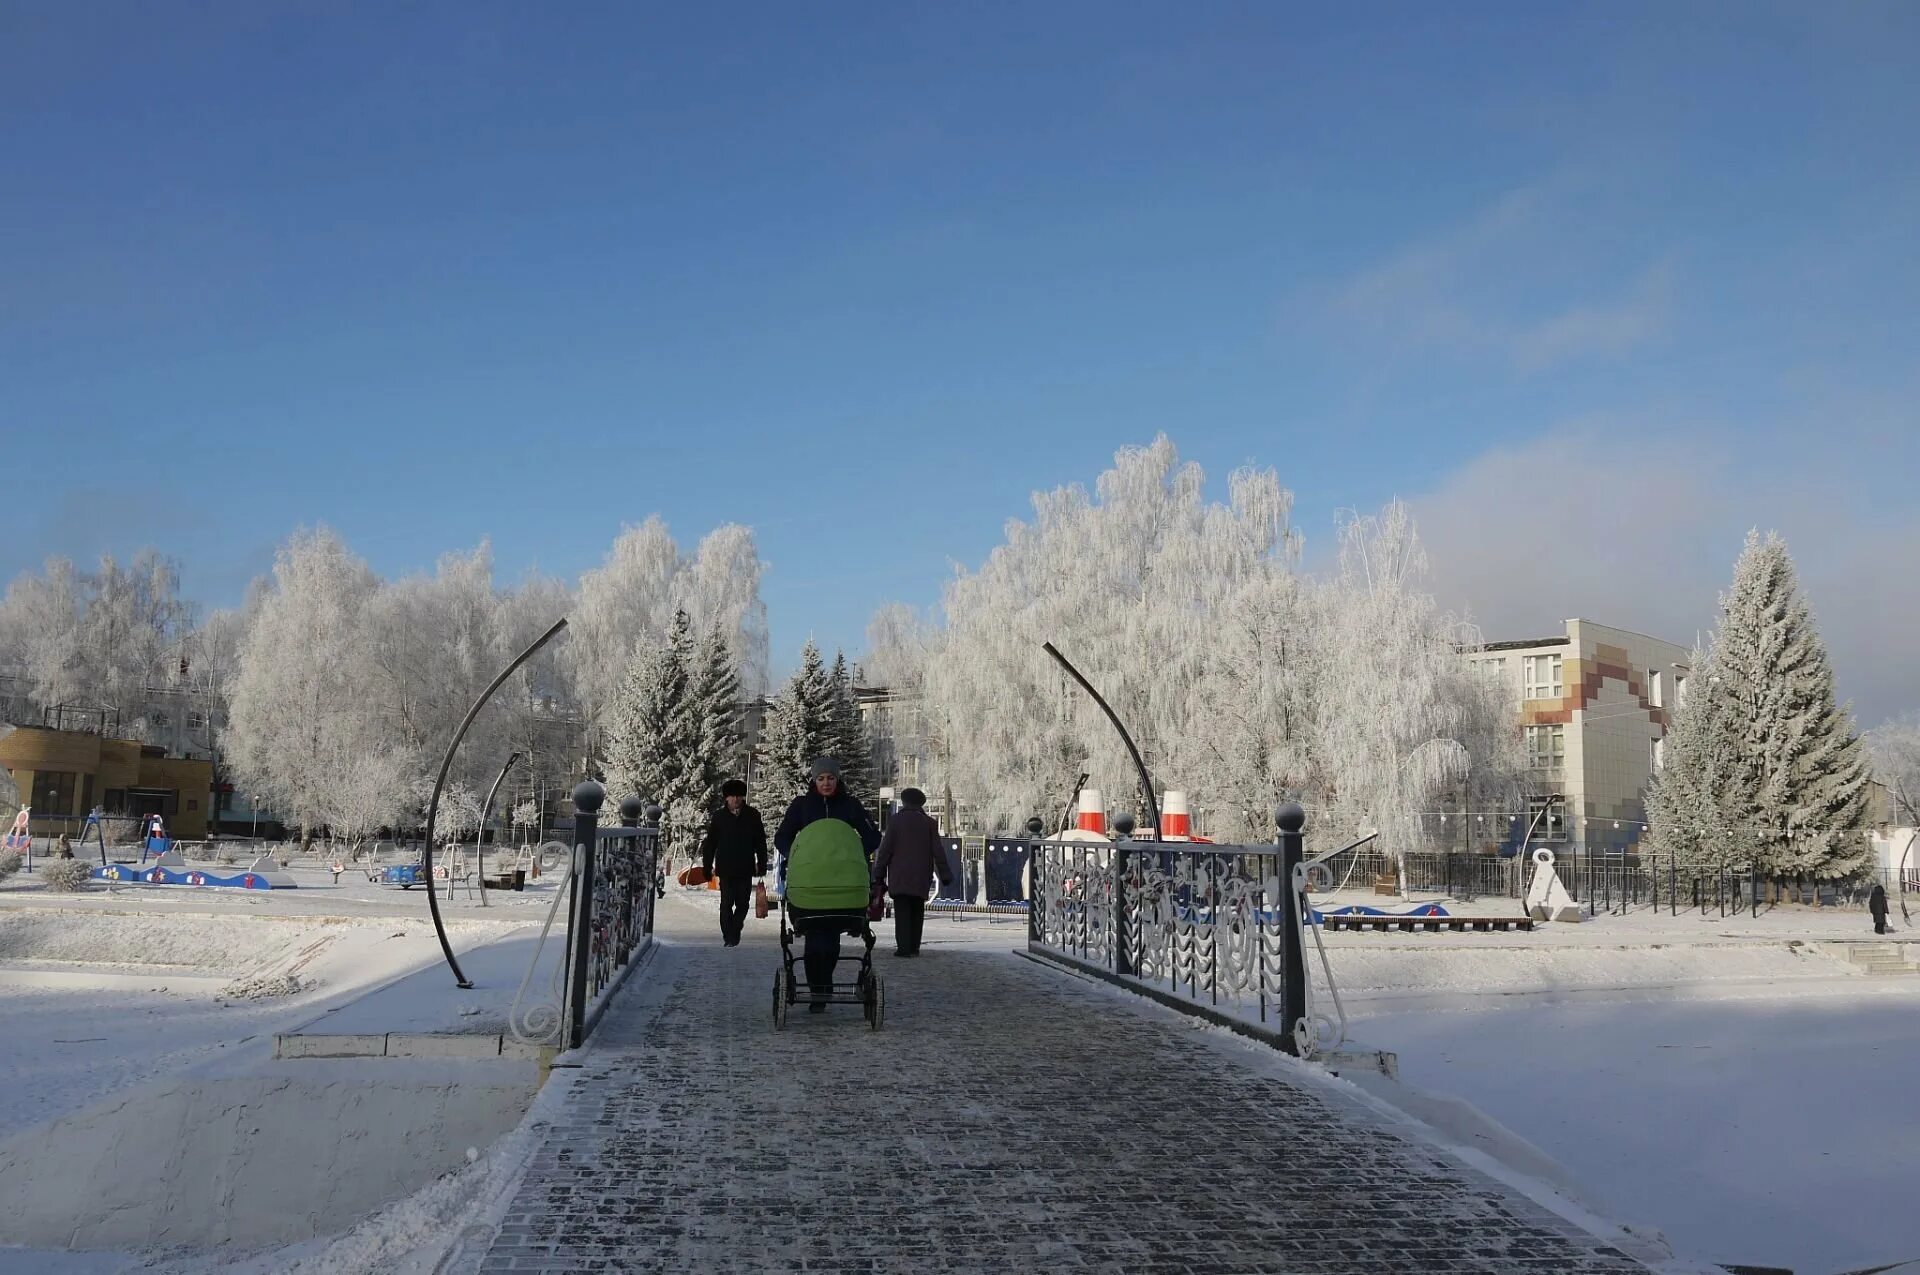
824,766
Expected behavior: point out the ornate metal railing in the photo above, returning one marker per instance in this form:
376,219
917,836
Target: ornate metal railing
1211,927
611,885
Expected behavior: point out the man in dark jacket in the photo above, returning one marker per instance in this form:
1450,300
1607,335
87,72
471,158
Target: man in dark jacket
1877,905
735,847
825,798
911,854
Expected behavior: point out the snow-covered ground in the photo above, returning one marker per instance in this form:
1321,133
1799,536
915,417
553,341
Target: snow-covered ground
1733,1082
156,991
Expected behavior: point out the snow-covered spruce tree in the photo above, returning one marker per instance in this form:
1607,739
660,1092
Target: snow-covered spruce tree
1687,815
848,733
716,701
653,736
1798,794
799,724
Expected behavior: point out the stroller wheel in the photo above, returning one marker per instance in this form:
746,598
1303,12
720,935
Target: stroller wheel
782,997
876,1003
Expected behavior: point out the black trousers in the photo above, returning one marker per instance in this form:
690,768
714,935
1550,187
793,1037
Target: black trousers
909,918
736,895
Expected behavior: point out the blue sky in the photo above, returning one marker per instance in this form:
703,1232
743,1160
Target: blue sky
1596,287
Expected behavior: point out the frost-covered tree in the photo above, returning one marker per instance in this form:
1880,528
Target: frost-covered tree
371,789
846,733
1242,680
1686,816
622,607
100,639
654,736
800,723
300,705
720,587
1400,722
1895,750
715,695
1798,793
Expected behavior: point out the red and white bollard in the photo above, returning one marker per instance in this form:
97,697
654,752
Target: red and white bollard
1175,825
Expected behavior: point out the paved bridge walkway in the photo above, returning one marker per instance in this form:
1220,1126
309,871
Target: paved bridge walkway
1008,1118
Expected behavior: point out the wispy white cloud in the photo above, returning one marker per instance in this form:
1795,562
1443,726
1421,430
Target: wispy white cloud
1507,283
1635,522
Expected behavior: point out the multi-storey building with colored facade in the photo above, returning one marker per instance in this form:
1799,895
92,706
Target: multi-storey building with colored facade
1594,706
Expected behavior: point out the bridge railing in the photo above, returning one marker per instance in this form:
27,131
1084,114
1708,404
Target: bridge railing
614,882
1213,929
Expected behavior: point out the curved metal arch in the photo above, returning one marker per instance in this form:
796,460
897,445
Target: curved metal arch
446,764
1146,780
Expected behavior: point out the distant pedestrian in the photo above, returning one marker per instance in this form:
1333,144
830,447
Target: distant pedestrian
1877,905
735,847
911,854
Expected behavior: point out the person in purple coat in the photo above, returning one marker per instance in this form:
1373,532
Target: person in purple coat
911,854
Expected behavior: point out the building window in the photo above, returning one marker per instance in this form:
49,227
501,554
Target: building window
159,719
1679,690
1657,755
1547,748
53,791
1547,819
1543,677
1656,688
196,720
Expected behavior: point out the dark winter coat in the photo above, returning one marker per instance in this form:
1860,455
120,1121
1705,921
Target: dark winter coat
735,846
911,854
810,805
1877,902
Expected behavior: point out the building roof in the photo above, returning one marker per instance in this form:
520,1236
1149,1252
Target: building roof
1521,644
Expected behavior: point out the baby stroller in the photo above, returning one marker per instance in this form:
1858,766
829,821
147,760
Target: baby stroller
826,890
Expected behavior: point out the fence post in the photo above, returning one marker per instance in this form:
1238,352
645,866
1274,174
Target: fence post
1034,827
587,799
1122,932
1291,819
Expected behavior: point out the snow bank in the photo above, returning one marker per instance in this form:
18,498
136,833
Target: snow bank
251,1160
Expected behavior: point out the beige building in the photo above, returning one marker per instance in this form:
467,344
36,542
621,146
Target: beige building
63,774
1594,707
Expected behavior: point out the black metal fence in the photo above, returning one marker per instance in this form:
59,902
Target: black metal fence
1212,929
614,883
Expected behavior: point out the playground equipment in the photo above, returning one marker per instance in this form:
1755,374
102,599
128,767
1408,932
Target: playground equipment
171,870
20,837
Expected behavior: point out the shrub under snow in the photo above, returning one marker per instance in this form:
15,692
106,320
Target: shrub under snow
65,876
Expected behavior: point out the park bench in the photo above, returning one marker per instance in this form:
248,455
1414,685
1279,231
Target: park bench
1430,924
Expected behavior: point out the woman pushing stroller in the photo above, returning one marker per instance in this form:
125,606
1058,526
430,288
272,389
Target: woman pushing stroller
825,798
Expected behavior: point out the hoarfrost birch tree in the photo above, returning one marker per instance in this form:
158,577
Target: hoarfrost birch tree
622,606
299,707
1895,749
720,587
1239,678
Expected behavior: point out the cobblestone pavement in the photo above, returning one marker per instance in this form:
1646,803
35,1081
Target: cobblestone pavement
1008,1118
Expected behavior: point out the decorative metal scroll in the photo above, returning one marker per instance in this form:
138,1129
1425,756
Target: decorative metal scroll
1203,922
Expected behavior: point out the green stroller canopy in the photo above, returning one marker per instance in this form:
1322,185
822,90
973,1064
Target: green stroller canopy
827,868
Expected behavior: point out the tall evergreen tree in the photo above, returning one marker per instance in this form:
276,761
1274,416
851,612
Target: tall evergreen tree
1686,799
799,724
1799,772
653,738
716,696
849,735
